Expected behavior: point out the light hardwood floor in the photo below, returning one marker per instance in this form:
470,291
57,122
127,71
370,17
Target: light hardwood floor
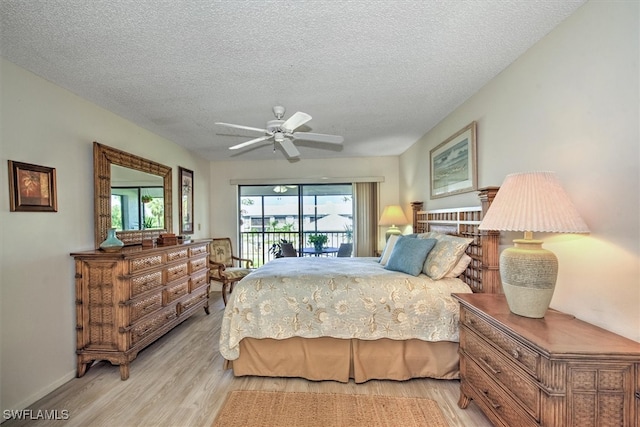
179,381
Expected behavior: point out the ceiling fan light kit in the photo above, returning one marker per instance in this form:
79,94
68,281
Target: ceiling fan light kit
282,132
278,111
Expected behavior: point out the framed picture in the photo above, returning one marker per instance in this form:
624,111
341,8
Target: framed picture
32,188
454,164
186,201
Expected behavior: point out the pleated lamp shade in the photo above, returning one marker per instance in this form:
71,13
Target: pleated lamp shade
531,202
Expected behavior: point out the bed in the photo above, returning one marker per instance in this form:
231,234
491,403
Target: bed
330,318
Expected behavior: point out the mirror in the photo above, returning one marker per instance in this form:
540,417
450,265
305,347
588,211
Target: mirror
137,200
110,162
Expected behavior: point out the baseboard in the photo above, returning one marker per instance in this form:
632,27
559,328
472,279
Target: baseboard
44,391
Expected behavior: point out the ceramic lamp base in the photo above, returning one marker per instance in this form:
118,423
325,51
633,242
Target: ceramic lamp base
393,230
528,273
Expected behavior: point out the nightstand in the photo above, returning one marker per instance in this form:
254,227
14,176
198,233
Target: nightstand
554,371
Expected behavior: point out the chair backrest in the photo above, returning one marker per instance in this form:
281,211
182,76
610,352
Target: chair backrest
288,250
221,251
345,249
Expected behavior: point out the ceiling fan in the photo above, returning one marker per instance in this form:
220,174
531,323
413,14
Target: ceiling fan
282,132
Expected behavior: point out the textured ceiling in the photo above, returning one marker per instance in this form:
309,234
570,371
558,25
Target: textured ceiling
380,73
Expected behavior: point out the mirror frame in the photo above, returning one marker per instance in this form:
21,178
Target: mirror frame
103,158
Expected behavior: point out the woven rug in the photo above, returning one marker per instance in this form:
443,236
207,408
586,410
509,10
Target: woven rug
280,409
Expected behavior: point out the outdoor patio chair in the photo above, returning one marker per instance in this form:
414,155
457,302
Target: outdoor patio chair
345,249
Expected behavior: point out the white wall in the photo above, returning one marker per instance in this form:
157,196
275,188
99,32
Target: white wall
570,105
224,198
46,125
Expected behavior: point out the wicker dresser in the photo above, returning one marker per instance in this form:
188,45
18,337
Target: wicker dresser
127,300
555,371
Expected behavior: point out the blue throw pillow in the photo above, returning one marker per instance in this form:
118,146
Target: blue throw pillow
409,254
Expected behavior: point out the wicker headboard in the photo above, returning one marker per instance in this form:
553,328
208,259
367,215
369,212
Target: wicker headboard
482,274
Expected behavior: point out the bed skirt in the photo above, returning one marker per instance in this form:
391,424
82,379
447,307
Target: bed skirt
336,359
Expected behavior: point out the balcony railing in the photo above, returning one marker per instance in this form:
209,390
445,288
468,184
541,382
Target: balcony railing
255,245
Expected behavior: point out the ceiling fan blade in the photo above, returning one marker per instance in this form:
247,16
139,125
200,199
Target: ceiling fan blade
253,141
295,121
241,127
318,137
289,148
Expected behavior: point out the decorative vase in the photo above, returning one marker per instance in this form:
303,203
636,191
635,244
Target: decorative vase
317,246
112,243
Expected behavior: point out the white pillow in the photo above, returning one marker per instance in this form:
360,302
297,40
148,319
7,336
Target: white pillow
460,267
386,253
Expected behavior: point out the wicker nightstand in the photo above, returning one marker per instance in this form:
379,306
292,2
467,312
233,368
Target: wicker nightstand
554,371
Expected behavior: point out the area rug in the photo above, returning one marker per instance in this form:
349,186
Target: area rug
281,409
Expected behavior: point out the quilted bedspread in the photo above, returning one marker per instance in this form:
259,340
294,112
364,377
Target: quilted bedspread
341,298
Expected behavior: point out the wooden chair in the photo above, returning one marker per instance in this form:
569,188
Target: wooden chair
345,249
225,267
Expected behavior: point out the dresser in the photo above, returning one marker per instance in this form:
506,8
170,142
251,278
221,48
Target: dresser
128,299
554,371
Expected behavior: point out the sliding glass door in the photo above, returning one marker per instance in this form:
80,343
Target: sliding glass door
270,214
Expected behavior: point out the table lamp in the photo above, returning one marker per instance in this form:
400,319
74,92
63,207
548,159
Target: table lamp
392,216
531,202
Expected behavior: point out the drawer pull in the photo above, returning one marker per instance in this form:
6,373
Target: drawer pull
494,404
148,306
515,353
493,370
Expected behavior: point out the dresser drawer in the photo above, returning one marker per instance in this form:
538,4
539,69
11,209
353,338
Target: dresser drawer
198,280
177,254
502,371
492,397
145,306
142,263
514,351
197,264
149,325
173,292
197,297
146,282
176,271
197,250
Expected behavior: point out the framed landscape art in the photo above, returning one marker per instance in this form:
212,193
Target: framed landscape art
32,188
454,164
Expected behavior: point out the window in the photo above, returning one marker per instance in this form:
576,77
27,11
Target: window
269,213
